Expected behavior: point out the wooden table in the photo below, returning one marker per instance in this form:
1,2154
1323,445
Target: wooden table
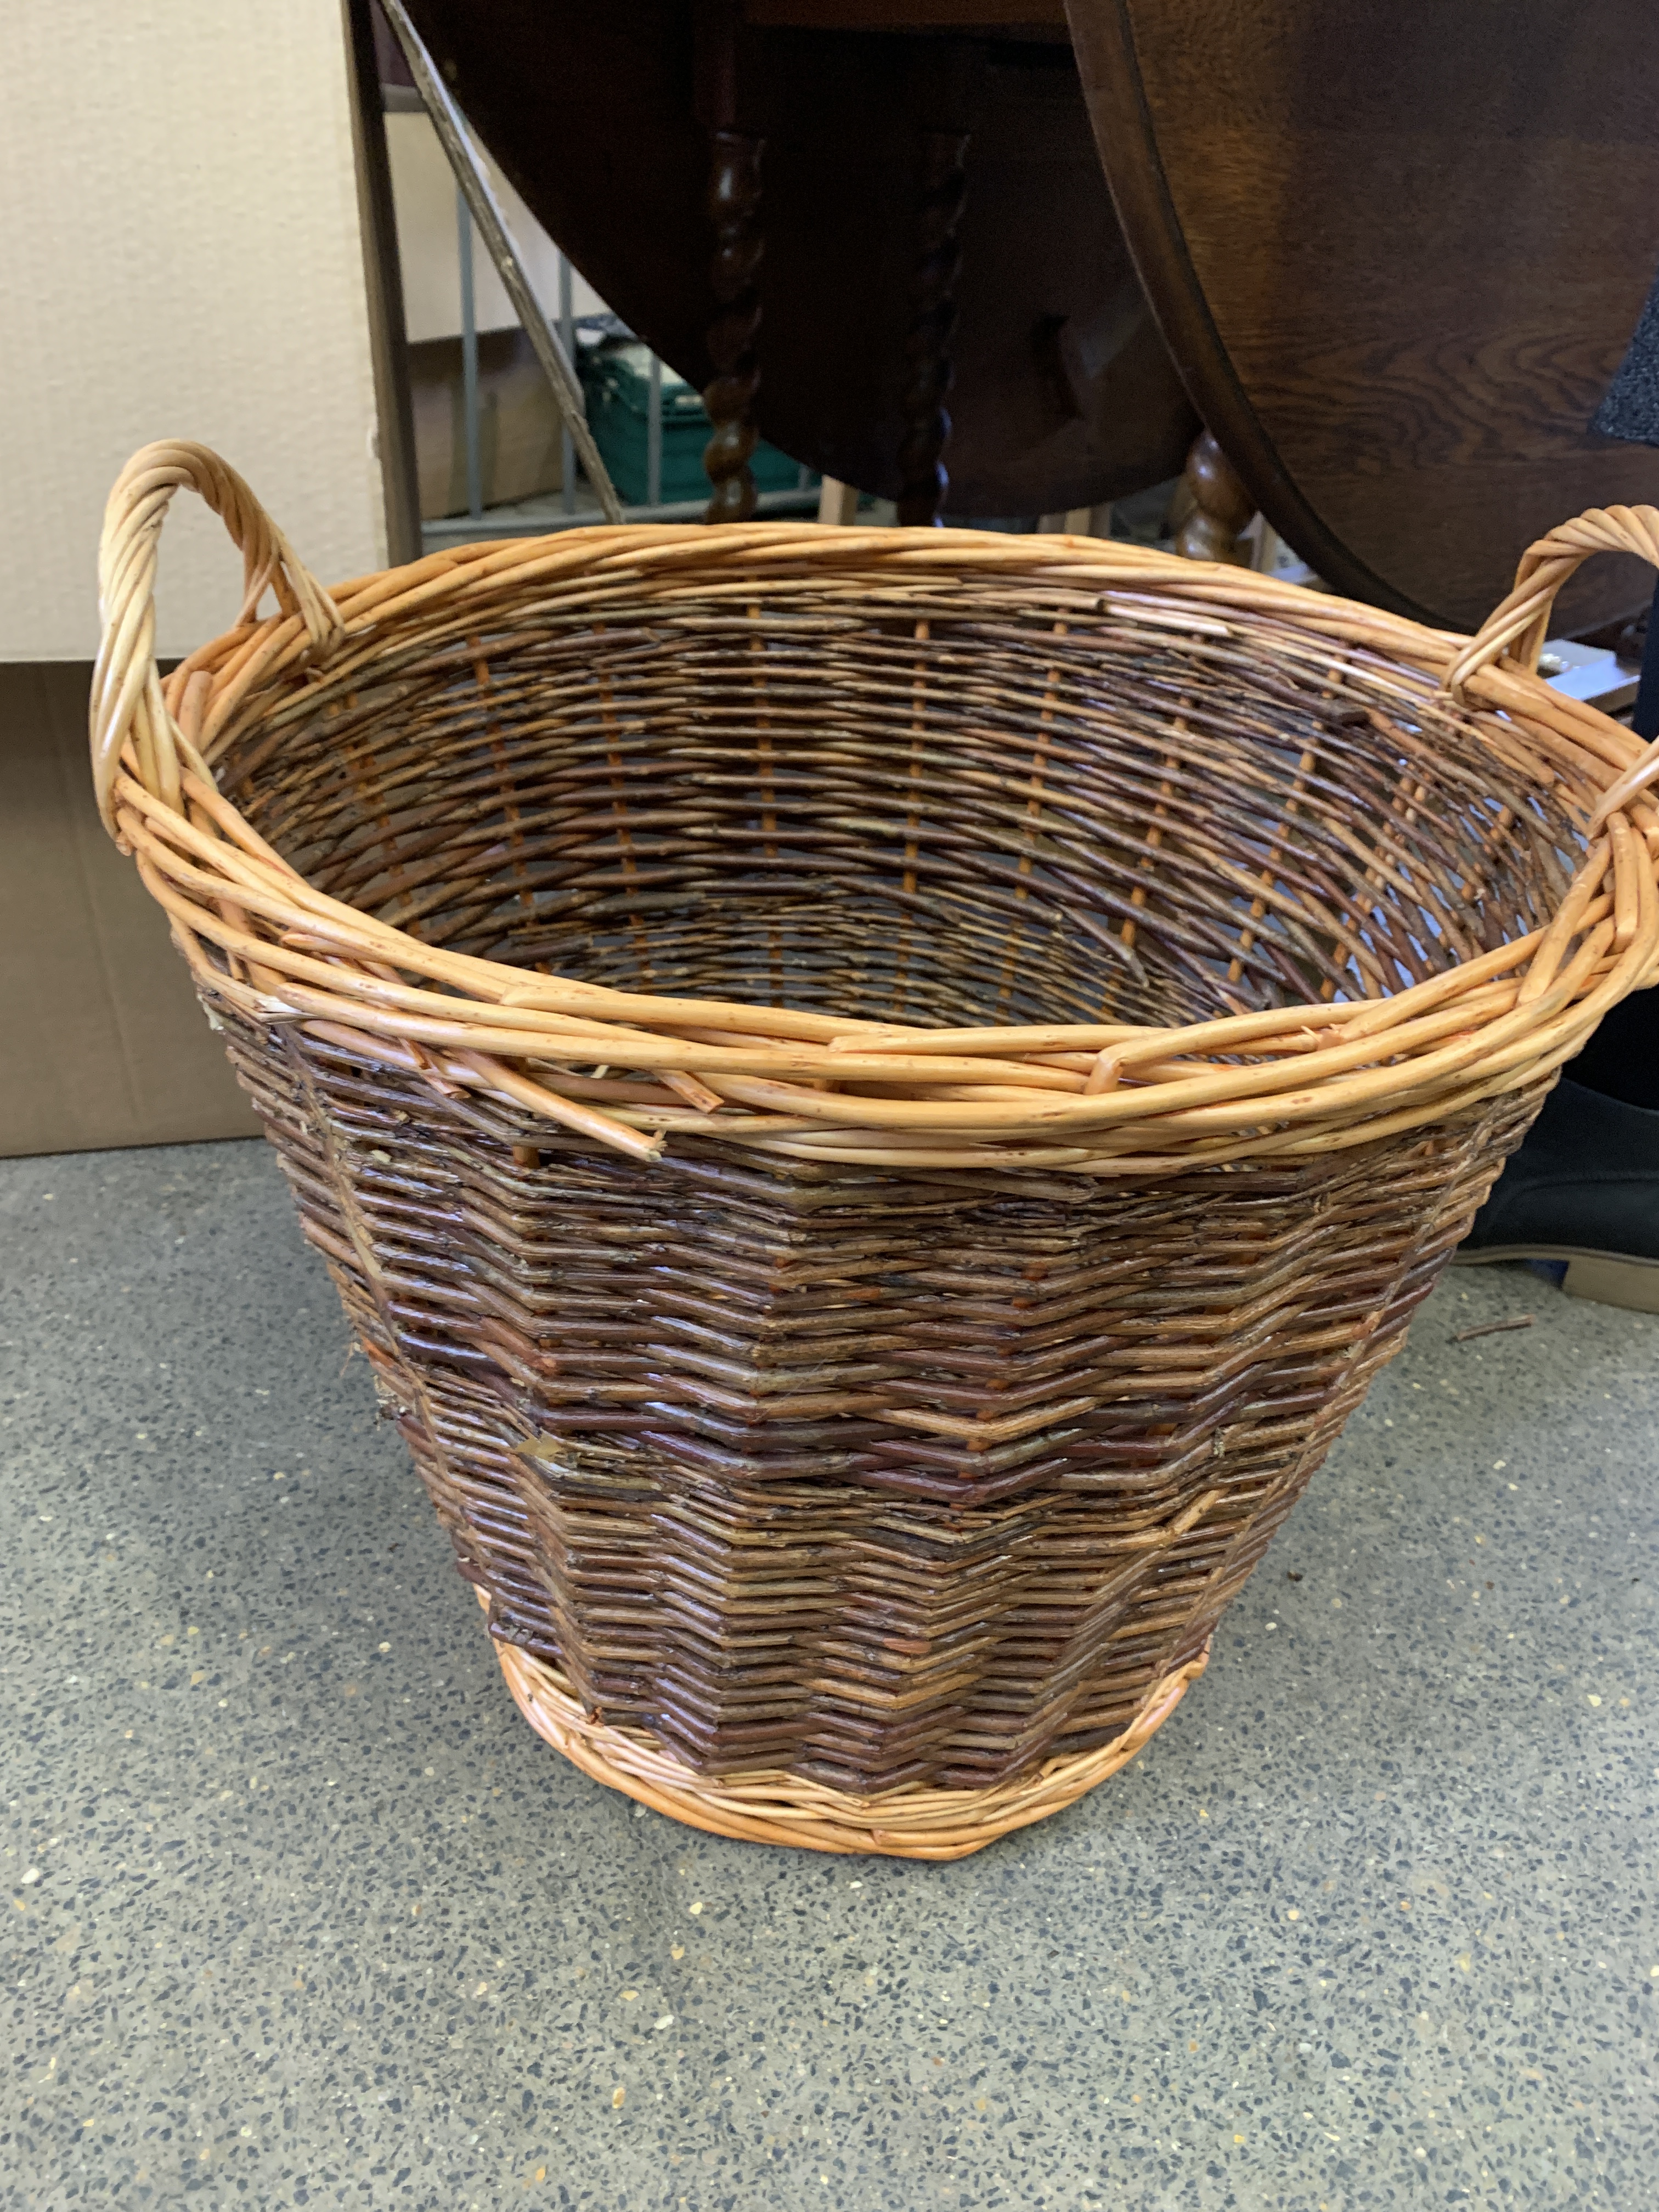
1391,256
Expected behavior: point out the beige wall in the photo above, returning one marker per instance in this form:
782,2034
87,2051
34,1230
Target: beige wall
179,257
423,190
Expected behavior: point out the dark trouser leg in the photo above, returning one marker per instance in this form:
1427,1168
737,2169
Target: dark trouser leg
1621,1060
1582,1191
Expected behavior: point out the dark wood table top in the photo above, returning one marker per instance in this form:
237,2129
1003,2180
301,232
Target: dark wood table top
1398,253
1064,393
1391,255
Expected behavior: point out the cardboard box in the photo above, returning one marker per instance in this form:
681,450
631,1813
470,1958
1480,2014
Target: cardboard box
103,1040
518,425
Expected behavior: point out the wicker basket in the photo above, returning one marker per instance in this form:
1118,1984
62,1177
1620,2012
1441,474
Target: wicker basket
875,1099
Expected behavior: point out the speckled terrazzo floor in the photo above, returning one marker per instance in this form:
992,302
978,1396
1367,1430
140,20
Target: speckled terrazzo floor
298,1912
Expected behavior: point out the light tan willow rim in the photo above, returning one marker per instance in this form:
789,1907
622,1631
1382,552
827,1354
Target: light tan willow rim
1291,1082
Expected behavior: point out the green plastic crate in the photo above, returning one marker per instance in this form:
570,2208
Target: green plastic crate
618,382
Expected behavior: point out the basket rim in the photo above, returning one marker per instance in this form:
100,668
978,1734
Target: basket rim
1117,1099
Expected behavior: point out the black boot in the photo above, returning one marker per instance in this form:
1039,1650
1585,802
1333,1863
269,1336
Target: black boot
1584,1189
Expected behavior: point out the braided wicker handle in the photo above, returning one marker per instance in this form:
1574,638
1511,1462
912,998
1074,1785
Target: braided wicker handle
1517,627
127,705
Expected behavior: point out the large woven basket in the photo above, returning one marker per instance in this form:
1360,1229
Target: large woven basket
875,1100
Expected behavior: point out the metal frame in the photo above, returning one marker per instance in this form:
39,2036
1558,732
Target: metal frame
470,357
472,180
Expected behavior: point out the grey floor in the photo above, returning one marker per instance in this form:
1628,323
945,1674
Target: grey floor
298,1912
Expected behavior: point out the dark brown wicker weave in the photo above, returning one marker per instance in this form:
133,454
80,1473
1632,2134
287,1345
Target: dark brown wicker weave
874,1100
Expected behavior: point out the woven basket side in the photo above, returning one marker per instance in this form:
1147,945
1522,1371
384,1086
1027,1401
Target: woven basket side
883,1481
874,1100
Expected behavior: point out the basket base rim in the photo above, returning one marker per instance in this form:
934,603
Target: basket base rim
771,1806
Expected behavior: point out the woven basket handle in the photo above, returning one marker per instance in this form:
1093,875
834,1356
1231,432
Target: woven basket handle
1515,629
127,705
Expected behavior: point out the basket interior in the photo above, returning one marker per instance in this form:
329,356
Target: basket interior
953,801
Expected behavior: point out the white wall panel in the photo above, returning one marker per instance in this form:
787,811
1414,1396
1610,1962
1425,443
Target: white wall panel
179,257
